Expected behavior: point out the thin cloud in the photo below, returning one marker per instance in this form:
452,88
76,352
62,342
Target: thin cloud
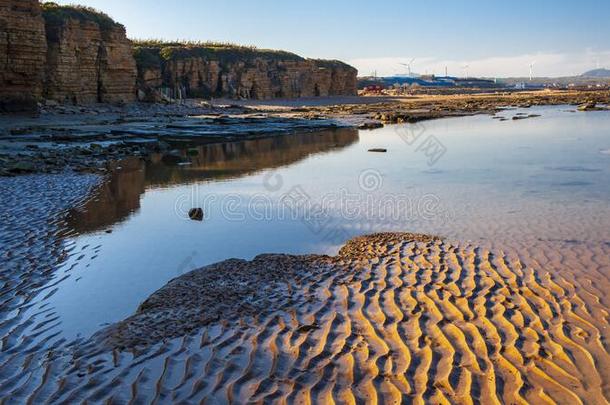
546,65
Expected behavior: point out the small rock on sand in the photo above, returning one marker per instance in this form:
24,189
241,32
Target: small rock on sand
379,150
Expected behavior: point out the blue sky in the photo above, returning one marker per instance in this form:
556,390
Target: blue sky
494,38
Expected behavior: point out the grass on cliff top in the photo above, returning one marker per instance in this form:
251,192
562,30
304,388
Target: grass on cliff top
55,15
152,53
332,63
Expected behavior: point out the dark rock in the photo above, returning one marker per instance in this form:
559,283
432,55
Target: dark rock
523,117
370,125
23,167
380,150
196,214
163,145
589,106
173,157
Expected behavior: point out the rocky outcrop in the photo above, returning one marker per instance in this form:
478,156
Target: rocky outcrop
89,58
184,71
76,55
22,54
68,54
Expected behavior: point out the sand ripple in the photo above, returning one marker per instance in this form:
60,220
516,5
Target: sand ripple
393,318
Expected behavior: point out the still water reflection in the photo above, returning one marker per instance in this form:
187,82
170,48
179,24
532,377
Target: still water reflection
543,178
120,196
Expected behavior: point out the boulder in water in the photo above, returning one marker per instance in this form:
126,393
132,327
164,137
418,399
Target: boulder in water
196,214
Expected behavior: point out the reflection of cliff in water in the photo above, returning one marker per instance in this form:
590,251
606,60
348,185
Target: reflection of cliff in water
114,200
118,197
236,159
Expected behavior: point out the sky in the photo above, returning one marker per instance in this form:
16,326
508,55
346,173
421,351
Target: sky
494,38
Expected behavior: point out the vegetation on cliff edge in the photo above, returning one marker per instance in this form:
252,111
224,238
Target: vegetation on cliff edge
153,53
56,15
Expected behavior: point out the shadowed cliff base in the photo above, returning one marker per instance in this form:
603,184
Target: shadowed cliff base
396,316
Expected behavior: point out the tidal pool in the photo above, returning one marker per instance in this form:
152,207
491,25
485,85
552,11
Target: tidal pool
507,183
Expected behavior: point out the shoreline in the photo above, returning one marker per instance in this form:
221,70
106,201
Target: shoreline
421,318
88,138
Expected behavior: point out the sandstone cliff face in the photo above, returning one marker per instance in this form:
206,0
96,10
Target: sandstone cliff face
253,74
74,54
87,63
22,54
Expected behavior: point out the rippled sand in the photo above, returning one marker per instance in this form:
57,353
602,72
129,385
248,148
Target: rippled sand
509,306
393,317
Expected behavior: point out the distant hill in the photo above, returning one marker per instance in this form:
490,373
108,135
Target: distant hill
597,73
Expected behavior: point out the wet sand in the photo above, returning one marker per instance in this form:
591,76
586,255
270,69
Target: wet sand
392,318
33,213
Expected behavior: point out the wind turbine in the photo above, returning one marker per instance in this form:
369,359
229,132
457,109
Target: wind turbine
532,69
465,68
408,65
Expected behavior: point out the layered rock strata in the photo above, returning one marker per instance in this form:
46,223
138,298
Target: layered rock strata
22,48
76,55
89,59
185,71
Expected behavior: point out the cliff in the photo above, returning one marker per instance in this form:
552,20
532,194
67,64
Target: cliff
219,70
22,48
89,57
77,55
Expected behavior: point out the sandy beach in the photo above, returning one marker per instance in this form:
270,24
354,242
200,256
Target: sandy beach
304,203
392,318
517,315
